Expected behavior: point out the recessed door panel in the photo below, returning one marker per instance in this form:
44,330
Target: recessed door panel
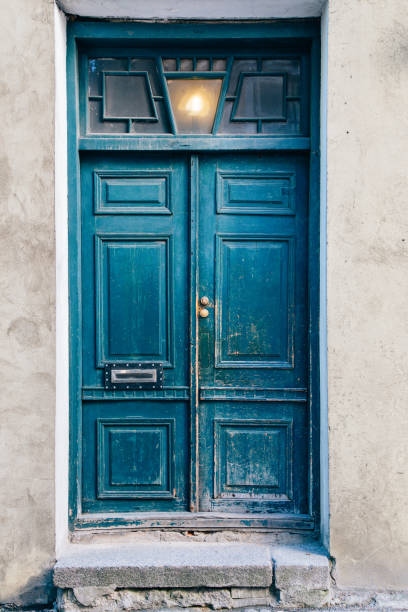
135,458
252,458
134,315
260,193
132,192
253,455
254,289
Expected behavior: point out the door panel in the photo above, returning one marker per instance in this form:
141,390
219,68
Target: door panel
253,455
253,344
133,192
134,307
256,332
135,268
135,454
264,192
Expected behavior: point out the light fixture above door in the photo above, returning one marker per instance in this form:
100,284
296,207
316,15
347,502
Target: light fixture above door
194,87
194,101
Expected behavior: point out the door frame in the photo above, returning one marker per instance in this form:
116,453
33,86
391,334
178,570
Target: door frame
80,33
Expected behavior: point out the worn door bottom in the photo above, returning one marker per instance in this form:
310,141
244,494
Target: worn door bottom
203,521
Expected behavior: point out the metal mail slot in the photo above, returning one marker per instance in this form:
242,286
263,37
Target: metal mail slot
133,376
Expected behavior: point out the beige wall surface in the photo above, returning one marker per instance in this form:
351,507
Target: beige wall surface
368,290
367,294
27,308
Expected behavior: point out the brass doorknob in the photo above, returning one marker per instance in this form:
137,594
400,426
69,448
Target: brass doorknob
204,313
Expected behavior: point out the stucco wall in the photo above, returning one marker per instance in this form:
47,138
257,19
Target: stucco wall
367,294
27,309
368,290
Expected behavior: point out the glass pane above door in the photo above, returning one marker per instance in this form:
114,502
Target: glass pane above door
196,95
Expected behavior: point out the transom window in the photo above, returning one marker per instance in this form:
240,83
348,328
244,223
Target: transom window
195,94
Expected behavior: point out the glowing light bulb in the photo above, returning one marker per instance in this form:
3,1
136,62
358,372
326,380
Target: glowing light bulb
195,105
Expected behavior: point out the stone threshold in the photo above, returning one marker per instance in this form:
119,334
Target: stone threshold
157,576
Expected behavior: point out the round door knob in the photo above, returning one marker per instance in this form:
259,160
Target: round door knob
204,313
204,301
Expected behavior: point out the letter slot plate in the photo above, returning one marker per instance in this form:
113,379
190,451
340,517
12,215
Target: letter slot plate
133,376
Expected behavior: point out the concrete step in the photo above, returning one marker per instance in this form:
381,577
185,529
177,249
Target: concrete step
185,575
165,565
301,575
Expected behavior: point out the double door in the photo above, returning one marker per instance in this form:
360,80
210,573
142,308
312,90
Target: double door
197,263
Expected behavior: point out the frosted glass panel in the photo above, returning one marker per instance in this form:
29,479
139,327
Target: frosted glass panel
237,127
264,96
186,64
125,95
96,66
152,127
97,124
170,64
128,96
194,103
260,97
219,64
203,64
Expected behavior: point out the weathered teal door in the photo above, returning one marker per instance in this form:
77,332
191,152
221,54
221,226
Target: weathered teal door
193,276
238,242
252,260
135,279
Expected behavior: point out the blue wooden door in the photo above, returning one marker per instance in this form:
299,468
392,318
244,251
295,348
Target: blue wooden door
229,430
253,372
135,274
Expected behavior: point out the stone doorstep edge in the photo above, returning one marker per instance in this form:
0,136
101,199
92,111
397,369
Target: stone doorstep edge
301,568
301,576
166,566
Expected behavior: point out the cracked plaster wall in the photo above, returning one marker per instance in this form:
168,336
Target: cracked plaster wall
27,300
